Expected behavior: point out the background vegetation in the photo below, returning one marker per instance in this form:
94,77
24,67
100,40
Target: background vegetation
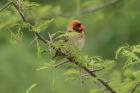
110,24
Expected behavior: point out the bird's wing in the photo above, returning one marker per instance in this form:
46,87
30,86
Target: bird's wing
65,36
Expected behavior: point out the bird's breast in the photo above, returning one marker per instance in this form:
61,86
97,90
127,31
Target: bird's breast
78,40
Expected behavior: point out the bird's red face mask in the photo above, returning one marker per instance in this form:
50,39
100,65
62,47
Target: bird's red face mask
78,27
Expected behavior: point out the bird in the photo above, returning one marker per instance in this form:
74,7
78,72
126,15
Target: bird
78,39
74,35
68,43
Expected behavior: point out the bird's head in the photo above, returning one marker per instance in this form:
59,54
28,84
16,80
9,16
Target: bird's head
75,25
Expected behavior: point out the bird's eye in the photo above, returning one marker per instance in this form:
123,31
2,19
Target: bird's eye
78,25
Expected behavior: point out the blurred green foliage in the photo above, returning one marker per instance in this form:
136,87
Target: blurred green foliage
107,29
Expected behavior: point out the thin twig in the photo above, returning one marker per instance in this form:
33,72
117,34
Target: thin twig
5,6
61,63
37,45
50,37
37,42
20,12
42,38
135,87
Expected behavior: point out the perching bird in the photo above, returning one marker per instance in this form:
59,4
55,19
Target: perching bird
78,39
74,35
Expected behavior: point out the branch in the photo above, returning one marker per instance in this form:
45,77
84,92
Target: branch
5,6
94,71
20,12
26,21
106,85
42,38
135,87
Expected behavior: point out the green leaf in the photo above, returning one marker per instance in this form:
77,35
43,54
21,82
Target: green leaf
42,26
39,51
53,85
118,52
30,4
136,74
70,79
48,65
71,71
30,88
16,37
